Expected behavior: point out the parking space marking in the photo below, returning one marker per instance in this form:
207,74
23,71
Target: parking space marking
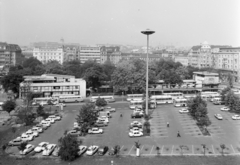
121,148
162,149
151,150
192,149
213,149
130,150
142,148
172,149
233,149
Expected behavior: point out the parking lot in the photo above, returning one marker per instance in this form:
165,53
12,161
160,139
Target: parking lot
224,131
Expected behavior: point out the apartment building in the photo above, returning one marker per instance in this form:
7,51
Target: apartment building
48,85
10,54
89,53
110,53
181,59
71,52
46,54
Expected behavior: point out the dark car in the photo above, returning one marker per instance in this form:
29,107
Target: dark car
111,152
136,115
100,124
102,150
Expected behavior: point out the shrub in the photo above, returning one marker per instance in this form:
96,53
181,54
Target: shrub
9,105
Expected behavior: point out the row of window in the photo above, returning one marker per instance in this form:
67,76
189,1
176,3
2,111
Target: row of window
48,54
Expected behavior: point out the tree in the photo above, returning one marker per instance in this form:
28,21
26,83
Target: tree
54,67
182,71
68,148
158,149
137,144
101,102
193,105
87,117
31,63
41,112
73,68
116,150
232,101
11,82
224,92
22,146
26,115
230,80
173,78
223,146
9,105
108,69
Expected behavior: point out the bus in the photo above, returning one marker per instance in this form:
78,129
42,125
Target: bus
209,93
180,102
177,95
109,99
57,96
70,98
44,100
131,97
189,97
214,97
162,99
136,104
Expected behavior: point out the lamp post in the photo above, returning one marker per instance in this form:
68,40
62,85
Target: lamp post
147,32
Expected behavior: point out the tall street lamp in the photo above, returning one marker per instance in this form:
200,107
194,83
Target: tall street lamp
147,32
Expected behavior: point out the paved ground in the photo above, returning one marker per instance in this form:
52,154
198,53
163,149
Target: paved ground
116,133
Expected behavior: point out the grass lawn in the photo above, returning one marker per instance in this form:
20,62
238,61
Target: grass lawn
180,160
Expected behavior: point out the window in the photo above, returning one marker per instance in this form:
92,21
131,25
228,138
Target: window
56,87
76,87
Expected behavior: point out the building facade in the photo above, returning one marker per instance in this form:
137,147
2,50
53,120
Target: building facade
206,80
89,53
110,53
70,52
181,59
141,56
10,54
48,85
46,54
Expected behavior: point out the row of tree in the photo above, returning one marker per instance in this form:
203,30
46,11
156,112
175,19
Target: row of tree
231,99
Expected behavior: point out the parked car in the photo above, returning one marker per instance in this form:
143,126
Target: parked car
82,149
218,116
56,151
37,129
29,148
136,129
55,118
137,115
50,120
99,108
60,104
103,119
136,124
225,109
100,124
102,150
16,142
135,134
184,110
92,150
236,117
74,133
26,138
32,133
45,123
111,109
41,146
41,126
48,149
95,130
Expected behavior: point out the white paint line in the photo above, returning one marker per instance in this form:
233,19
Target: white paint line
172,149
130,150
121,148
151,150
213,150
141,148
192,149
162,149
233,149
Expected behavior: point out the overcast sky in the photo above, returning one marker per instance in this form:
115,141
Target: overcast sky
177,22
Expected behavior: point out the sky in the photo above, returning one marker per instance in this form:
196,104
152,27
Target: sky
90,22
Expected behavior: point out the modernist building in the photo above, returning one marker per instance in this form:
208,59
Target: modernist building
89,53
110,53
46,54
10,54
52,84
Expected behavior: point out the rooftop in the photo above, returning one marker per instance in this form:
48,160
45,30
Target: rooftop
206,73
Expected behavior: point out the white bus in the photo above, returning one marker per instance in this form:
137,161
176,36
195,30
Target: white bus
162,99
70,98
214,97
136,104
44,100
209,93
180,102
189,97
134,97
177,95
107,98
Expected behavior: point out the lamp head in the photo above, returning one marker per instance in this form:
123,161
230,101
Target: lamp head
147,32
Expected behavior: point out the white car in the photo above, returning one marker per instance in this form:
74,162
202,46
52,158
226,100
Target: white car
75,125
32,133
92,150
41,146
60,104
136,129
48,149
103,119
225,109
82,149
236,117
45,123
29,148
26,138
37,129
55,118
95,130
218,116
111,109
50,120
136,123
184,110
135,134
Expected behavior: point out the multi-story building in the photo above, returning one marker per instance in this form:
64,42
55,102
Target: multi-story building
46,54
71,52
110,53
182,59
10,54
201,56
89,53
48,85
228,60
